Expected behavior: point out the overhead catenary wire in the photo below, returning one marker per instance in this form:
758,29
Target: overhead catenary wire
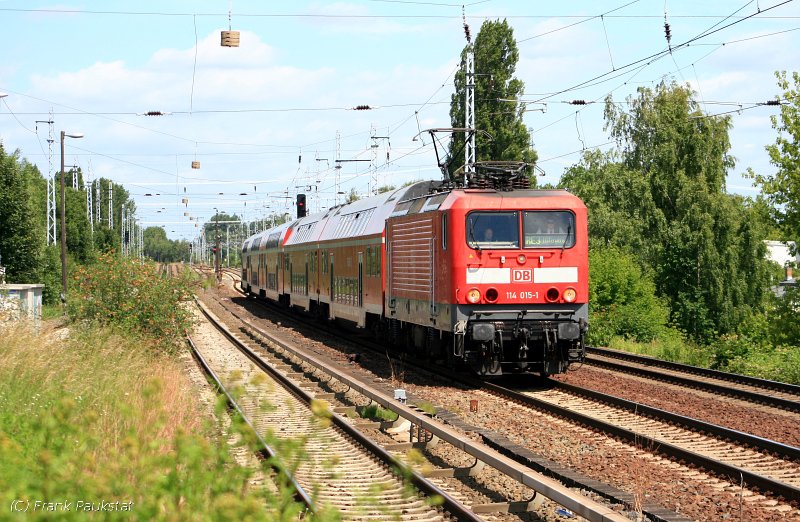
281,149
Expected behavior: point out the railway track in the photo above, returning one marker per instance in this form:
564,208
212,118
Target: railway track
742,458
480,453
761,391
753,468
338,470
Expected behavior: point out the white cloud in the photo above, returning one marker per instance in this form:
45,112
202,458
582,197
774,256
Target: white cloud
251,53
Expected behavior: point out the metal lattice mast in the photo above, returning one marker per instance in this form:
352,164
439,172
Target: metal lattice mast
111,204
97,200
469,107
122,231
337,165
89,208
373,168
51,183
374,178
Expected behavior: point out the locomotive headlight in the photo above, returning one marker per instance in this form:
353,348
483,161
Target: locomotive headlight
569,295
473,295
521,259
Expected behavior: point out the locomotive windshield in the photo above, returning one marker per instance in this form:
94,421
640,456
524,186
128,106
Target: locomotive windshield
493,230
548,229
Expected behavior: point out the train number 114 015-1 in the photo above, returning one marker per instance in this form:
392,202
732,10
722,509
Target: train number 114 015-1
522,295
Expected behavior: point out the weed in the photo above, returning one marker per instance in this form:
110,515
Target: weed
376,412
128,295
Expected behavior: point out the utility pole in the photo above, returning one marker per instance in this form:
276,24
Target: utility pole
217,267
337,166
51,183
111,204
469,107
64,220
123,247
97,201
89,208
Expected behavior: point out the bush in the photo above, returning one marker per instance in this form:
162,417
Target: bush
125,293
622,300
781,363
672,346
766,345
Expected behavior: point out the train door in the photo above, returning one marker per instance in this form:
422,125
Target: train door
306,279
333,287
360,302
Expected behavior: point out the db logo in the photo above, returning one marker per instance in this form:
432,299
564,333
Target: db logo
521,275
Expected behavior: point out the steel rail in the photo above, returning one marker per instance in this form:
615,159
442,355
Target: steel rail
751,396
519,454
766,445
450,505
266,450
787,491
521,473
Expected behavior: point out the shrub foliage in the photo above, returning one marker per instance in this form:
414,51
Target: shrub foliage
125,293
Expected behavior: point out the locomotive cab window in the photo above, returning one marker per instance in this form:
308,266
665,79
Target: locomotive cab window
494,230
548,229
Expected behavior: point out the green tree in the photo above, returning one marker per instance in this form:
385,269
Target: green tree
617,197
352,196
498,110
80,244
21,245
623,299
783,188
665,199
161,249
106,238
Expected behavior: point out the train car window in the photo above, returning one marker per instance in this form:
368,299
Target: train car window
548,229
492,230
273,240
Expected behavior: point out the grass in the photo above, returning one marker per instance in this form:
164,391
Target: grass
95,418
672,349
781,363
427,407
376,412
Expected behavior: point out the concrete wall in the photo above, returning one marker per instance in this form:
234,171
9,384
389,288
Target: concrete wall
17,301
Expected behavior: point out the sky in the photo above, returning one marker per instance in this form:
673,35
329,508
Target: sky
275,116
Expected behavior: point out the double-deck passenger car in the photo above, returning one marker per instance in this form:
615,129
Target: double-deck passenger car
497,279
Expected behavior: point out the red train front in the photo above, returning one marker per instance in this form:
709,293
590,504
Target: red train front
494,278
498,279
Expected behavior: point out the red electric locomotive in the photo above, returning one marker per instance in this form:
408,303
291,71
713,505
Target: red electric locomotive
497,279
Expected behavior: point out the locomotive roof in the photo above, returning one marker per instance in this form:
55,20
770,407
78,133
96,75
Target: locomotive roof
368,216
535,199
